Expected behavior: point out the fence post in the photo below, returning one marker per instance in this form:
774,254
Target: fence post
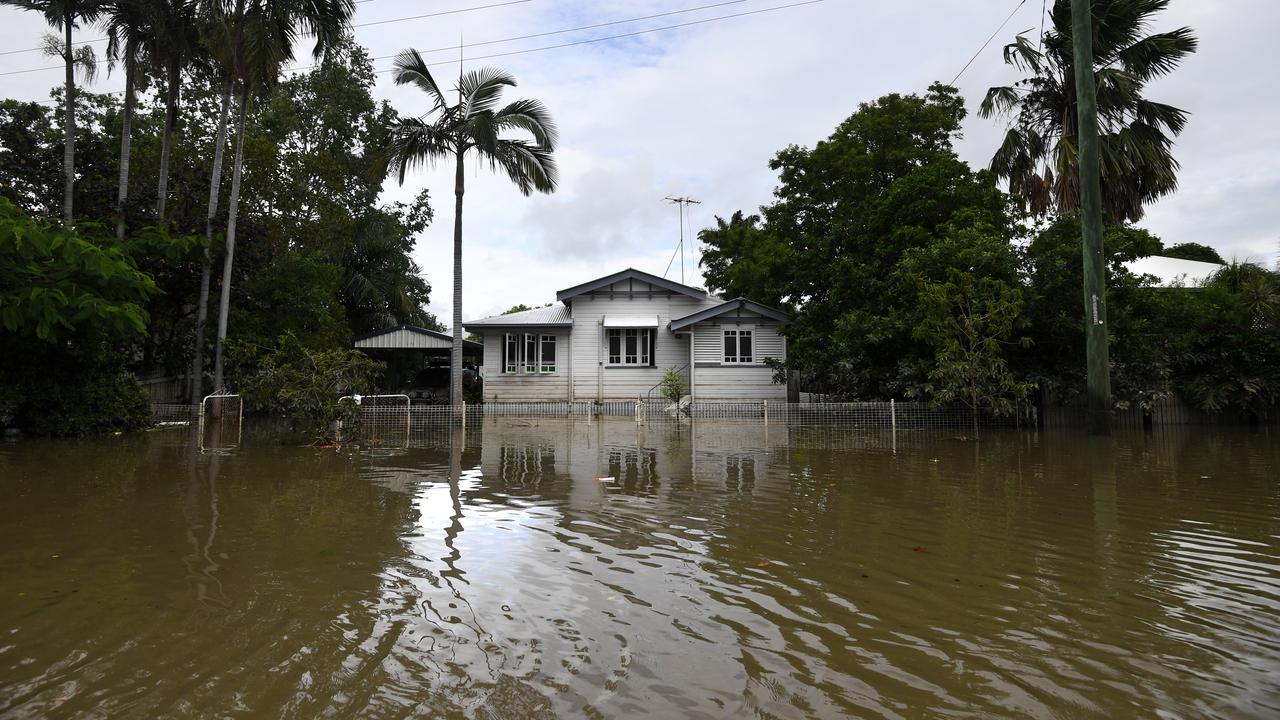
893,424
765,403
464,414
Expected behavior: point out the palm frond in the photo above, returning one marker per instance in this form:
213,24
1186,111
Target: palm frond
530,166
532,117
411,69
415,143
480,89
1158,54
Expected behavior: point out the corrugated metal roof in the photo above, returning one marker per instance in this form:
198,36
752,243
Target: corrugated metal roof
1174,272
552,315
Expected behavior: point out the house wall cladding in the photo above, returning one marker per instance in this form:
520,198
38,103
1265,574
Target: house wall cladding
525,387
716,381
594,380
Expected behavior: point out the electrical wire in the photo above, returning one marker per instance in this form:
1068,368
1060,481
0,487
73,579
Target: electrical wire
988,42
357,2
580,42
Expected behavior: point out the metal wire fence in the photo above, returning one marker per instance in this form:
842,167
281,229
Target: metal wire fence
168,413
391,422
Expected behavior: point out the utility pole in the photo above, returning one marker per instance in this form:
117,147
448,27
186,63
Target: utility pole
1095,292
682,202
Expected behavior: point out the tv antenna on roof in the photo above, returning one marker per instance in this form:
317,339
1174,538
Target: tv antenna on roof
682,202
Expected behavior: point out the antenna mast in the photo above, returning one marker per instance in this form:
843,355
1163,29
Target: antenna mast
682,202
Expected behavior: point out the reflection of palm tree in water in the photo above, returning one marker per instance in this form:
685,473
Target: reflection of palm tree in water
201,567
483,637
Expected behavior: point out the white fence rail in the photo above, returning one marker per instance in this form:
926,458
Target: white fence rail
873,415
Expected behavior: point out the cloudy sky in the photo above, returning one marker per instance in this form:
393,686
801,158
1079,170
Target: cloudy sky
698,111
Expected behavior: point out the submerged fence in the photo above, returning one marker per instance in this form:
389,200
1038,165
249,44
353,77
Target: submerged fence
879,415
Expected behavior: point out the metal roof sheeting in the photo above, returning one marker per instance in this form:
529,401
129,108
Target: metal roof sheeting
551,315
1174,272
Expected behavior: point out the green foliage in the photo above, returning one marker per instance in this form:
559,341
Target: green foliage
1038,156
75,387
859,221
303,384
674,385
741,259
1232,358
968,320
1194,251
55,282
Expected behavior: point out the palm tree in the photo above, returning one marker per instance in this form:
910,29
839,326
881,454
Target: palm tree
264,32
381,284
64,14
175,42
127,29
1039,157
472,123
220,35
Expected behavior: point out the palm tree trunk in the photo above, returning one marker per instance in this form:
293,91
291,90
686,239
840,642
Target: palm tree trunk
455,354
202,309
68,124
126,130
166,144
224,294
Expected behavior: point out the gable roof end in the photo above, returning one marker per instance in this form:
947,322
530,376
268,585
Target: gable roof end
415,330
630,274
728,307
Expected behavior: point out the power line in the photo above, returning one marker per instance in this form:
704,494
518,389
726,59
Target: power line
578,42
555,32
626,35
357,2
486,42
988,42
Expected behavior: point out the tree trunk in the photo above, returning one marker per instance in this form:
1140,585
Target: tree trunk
224,294
166,144
126,130
202,308
455,354
68,125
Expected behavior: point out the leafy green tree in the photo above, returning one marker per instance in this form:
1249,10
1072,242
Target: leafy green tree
381,284
1194,251
304,385
843,244
70,300
1232,358
473,124
968,320
743,260
1039,157
65,15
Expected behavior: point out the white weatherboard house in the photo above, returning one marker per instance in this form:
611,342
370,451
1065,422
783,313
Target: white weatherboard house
615,337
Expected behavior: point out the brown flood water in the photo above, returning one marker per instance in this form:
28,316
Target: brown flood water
728,571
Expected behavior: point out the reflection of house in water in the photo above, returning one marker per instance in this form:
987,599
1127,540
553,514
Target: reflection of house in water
641,459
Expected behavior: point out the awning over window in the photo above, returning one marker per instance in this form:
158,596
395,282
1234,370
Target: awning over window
631,321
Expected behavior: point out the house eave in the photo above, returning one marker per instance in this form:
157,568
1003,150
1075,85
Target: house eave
630,273
718,311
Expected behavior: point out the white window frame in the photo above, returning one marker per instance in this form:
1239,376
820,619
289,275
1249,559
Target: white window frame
736,357
527,358
646,339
